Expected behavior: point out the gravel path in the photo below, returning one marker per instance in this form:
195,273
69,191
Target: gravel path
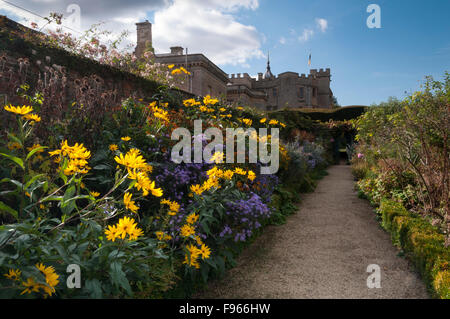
322,252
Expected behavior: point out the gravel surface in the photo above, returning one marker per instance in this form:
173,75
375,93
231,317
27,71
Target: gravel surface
323,251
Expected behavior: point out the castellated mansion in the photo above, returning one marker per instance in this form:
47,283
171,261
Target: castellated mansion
266,92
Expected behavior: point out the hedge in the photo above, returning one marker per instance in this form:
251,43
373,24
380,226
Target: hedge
324,115
422,244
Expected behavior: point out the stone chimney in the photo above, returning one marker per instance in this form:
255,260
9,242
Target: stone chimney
176,50
144,37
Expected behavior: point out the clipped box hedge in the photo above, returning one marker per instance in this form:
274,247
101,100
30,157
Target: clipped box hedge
422,243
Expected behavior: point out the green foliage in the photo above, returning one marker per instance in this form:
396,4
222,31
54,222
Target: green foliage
422,243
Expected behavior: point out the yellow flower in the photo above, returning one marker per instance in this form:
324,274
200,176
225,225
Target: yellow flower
263,120
130,204
273,122
14,146
131,160
251,175
127,226
21,110
192,256
13,274
111,233
125,138
198,240
159,235
207,100
197,189
51,278
170,66
247,122
187,230
205,251
30,286
135,232
228,174
240,171
113,147
217,157
192,218
32,117
94,194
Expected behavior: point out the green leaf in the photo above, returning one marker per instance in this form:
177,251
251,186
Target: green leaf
16,160
9,210
32,180
32,152
15,138
118,277
94,288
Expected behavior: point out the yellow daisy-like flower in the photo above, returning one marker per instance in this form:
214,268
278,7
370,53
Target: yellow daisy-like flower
247,122
187,230
111,233
217,157
14,146
192,218
13,274
228,174
191,257
240,171
130,204
32,117
198,240
197,189
51,278
170,66
251,175
21,110
125,138
263,120
207,100
135,232
159,235
113,147
30,286
94,194
131,160
205,251
273,122
127,226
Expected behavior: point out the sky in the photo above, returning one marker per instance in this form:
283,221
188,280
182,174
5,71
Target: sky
368,65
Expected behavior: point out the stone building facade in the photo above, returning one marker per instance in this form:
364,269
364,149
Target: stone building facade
267,92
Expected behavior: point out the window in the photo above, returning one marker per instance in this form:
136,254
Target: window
301,93
274,92
209,90
314,92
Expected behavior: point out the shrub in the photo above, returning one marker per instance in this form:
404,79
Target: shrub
422,243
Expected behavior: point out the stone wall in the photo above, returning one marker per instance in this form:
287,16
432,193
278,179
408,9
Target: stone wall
62,76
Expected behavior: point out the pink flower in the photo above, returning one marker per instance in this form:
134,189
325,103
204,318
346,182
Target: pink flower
360,155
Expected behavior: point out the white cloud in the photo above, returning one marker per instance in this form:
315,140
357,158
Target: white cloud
208,27
306,35
283,40
322,24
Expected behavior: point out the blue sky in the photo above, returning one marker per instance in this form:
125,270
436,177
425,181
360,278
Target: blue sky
367,65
